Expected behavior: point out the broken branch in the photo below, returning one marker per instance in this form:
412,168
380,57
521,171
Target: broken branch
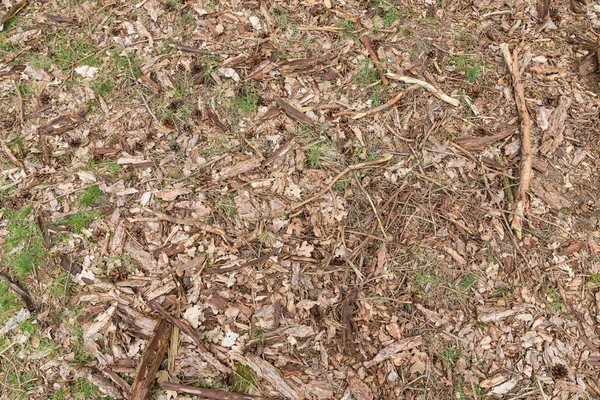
426,85
522,201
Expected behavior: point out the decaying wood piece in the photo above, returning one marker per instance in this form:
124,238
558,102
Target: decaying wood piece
373,56
187,329
118,381
151,359
214,118
554,135
393,349
293,111
237,169
207,393
62,124
347,305
340,176
429,87
522,201
17,289
269,373
11,12
479,143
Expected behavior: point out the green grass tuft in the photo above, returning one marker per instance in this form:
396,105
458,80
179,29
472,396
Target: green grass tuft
90,196
24,247
81,219
242,378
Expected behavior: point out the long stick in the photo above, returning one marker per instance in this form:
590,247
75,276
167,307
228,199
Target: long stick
340,176
522,201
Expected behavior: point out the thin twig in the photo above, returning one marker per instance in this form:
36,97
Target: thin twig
379,222
20,101
522,202
340,176
382,107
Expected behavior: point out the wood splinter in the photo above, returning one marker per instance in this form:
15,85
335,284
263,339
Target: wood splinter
522,201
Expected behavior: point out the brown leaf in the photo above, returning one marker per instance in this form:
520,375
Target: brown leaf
553,136
569,247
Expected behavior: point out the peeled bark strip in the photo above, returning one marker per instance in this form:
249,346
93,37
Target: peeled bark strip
554,135
153,356
522,201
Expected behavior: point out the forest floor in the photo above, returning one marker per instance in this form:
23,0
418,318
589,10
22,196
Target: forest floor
234,198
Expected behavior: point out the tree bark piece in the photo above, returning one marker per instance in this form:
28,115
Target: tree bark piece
272,375
373,56
293,111
187,329
151,359
522,201
429,87
207,393
347,321
554,135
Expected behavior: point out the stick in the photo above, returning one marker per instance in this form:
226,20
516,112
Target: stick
382,107
426,85
340,176
207,393
244,265
522,202
293,111
151,359
373,56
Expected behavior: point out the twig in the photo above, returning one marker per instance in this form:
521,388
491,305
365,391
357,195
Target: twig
207,393
373,56
379,222
426,85
340,176
20,101
382,107
522,202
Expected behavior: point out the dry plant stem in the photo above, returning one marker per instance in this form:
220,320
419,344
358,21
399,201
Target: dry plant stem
340,176
373,56
522,201
379,222
426,85
207,393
